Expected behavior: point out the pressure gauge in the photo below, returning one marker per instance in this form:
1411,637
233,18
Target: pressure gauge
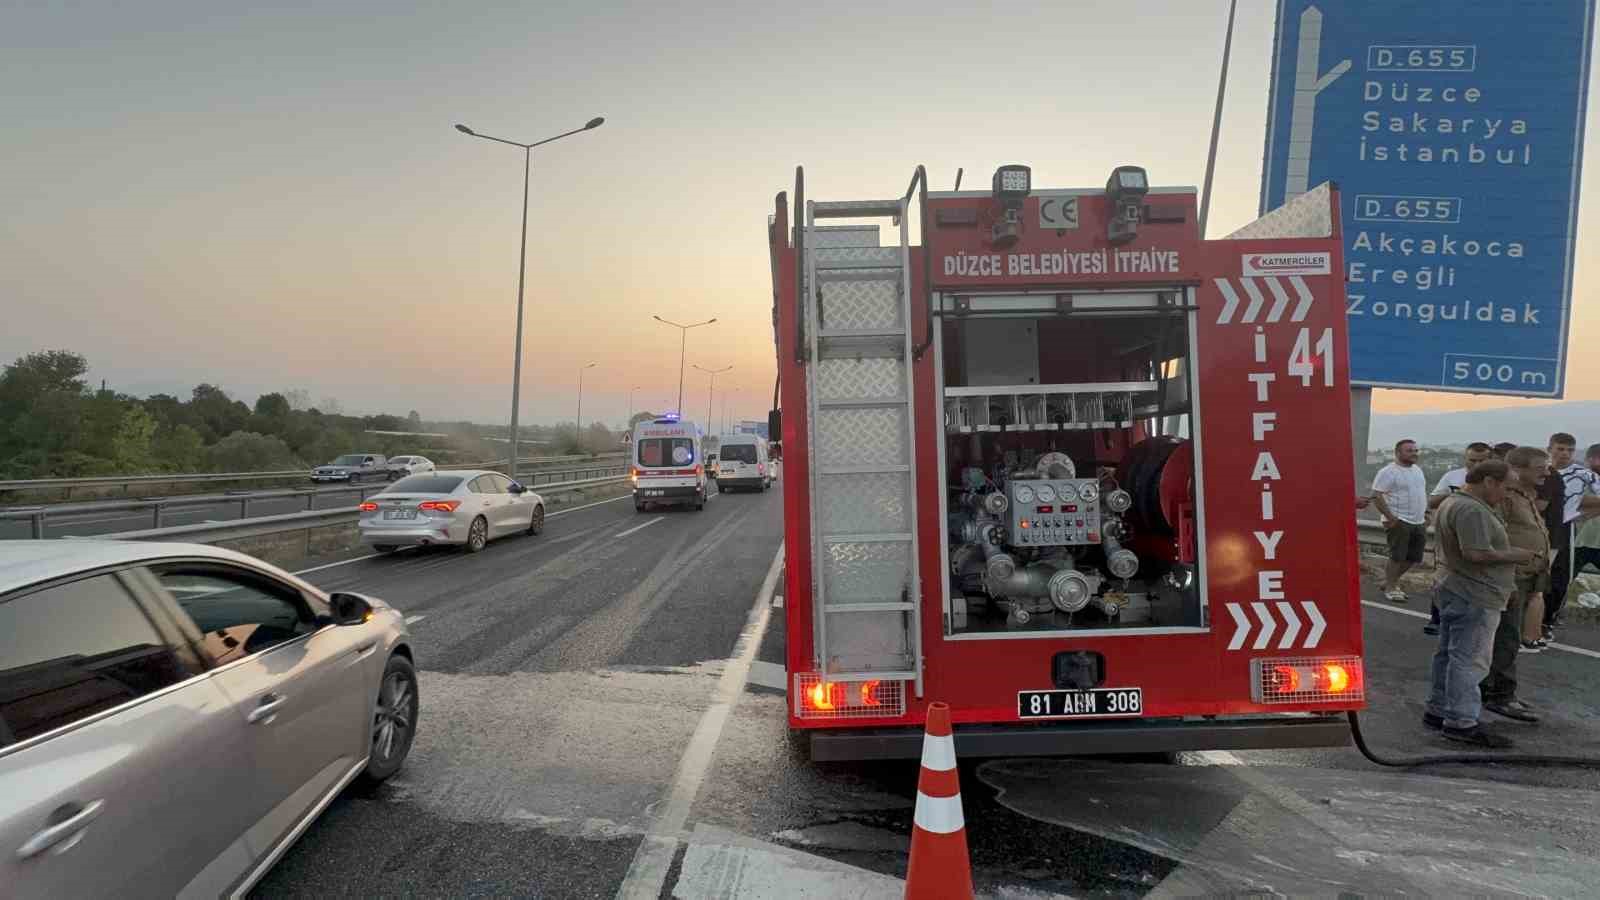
1024,494
1089,492
1047,493
1069,494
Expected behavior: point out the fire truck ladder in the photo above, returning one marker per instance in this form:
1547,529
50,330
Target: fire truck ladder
863,474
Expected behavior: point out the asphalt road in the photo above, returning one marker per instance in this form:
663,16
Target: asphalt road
603,716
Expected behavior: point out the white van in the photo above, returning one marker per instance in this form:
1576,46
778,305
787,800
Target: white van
742,462
668,464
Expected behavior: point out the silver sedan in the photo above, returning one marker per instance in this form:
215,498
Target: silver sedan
174,716
466,508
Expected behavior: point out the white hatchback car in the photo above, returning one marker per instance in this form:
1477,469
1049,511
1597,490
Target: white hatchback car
467,508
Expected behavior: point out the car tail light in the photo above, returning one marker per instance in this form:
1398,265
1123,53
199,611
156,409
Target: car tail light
368,506
633,473
819,699
761,468
439,505
1335,679
699,469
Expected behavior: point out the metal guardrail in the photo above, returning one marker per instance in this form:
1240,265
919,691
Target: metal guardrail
38,484
212,532
40,516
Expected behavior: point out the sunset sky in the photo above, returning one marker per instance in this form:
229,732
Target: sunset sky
272,197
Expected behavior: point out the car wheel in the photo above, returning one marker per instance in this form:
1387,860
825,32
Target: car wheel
394,720
477,535
536,524
384,548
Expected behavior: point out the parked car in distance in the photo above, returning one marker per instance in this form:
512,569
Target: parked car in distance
467,508
401,466
354,468
173,716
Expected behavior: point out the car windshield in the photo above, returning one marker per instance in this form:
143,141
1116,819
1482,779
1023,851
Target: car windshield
656,452
744,453
349,460
427,484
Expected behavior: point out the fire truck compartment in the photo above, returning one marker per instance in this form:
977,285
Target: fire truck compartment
977,741
1069,498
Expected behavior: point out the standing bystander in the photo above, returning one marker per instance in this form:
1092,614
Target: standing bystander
1450,482
1586,536
1399,492
1525,530
1499,451
1478,566
1573,493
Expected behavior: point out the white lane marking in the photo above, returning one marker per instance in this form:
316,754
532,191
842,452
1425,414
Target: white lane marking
1581,651
356,559
648,871
638,527
411,620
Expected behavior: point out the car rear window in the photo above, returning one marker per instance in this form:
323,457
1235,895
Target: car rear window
744,453
656,452
427,484
402,460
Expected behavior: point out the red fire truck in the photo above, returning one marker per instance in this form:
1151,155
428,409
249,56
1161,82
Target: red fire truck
1067,467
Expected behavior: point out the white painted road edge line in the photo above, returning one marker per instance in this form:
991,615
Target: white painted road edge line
411,620
648,872
1567,648
637,528
356,559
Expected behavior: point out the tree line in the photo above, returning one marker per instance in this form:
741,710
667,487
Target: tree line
54,425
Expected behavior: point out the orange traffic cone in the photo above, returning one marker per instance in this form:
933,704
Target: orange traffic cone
939,865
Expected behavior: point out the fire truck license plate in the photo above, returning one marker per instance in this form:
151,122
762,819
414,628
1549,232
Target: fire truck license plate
1095,703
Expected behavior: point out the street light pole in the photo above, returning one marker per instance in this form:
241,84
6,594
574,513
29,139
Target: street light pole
683,345
581,370
522,265
711,391
630,404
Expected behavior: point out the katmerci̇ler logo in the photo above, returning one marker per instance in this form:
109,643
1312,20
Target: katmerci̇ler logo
1261,264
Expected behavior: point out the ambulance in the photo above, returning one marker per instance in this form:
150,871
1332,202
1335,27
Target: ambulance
667,464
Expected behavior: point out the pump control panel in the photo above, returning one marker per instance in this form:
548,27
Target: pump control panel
1054,512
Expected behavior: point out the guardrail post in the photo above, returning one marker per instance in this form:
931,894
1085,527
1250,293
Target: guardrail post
311,500
38,525
157,515
244,507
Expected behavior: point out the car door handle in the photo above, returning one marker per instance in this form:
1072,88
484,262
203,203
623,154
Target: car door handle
63,836
266,710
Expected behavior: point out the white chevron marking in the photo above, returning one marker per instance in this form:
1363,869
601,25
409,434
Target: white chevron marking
1256,300
1241,626
1299,314
1292,629
1230,301
1318,623
1280,299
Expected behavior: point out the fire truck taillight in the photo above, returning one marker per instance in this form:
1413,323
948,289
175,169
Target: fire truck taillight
818,699
1336,679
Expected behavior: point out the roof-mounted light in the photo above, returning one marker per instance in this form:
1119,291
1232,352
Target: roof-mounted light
1126,188
1012,182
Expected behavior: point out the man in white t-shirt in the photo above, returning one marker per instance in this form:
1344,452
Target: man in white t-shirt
1579,489
1451,481
1400,494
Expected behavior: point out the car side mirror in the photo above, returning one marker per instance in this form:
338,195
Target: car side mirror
350,609
517,488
